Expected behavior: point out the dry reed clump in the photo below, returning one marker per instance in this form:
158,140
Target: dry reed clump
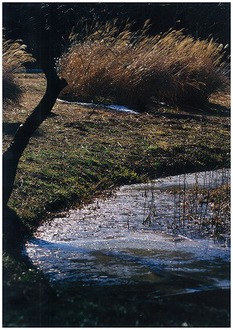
221,210
203,212
13,59
132,68
200,210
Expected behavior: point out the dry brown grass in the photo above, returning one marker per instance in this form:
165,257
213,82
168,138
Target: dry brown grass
131,68
13,59
204,211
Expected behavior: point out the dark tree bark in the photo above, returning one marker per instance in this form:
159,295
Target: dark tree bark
20,141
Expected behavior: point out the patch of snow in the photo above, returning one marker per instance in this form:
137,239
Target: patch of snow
110,106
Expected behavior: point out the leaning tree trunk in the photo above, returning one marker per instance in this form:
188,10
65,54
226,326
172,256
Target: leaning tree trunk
20,141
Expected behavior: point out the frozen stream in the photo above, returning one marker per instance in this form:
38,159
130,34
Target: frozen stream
114,241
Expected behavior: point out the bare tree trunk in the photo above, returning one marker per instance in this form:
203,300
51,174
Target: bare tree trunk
21,139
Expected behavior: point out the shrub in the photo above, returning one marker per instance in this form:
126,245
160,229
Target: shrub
14,58
132,68
11,89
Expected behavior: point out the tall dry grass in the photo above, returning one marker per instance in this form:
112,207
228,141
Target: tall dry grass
131,68
203,211
200,210
14,57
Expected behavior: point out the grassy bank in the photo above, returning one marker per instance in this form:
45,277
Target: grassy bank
78,152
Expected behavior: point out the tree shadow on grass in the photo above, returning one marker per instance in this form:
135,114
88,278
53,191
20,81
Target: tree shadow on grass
209,109
218,110
189,112
14,233
11,128
27,294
